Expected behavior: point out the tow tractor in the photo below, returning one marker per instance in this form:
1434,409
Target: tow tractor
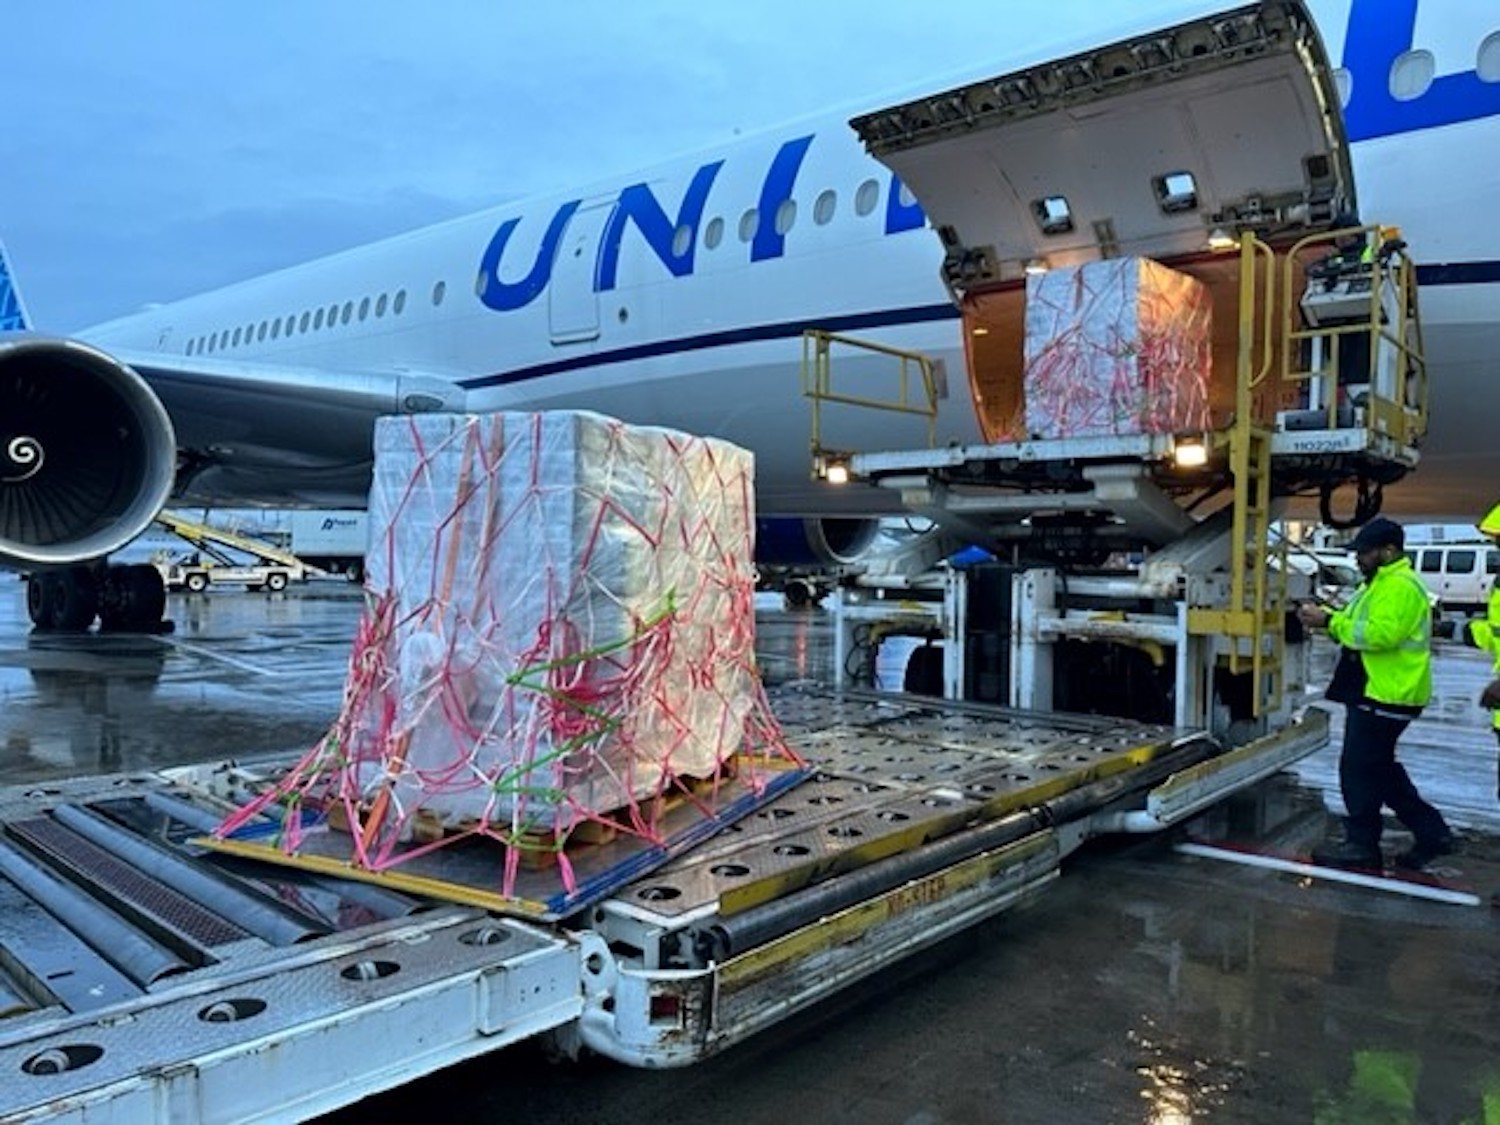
273,569
146,978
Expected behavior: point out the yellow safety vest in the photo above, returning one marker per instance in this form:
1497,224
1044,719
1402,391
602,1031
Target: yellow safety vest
1487,635
1389,623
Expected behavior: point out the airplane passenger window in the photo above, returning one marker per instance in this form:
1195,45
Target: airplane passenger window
364,307
439,291
276,328
1487,64
1411,75
223,339
211,340
786,216
749,224
1343,83
380,300
866,198
333,315
348,314
682,240
235,339
302,326
824,206
260,333
399,303
713,234
317,320
189,349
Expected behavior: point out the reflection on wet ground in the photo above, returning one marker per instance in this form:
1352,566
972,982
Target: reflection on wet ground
242,675
1145,986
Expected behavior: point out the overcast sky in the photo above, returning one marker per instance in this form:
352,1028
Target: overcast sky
157,148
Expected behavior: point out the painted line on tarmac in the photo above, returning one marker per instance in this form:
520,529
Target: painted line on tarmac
209,654
1332,874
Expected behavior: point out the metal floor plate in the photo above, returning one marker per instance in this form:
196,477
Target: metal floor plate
470,871
892,773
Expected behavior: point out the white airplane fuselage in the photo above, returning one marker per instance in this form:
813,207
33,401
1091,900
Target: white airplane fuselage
678,295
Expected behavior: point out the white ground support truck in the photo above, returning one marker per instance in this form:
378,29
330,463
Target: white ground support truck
144,978
333,540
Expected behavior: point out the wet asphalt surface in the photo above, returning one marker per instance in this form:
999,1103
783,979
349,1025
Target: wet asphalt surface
1145,986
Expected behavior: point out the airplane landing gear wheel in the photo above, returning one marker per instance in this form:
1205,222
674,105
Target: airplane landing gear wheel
36,600
134,600
63,601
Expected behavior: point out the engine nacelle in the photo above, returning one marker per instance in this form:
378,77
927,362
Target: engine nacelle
88,456
812,544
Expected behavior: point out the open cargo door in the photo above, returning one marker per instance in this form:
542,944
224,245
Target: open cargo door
1149,147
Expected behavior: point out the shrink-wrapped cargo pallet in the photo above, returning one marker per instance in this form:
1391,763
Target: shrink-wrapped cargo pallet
560,633
1116,347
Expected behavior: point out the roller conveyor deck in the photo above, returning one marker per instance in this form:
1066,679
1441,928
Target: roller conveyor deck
130,952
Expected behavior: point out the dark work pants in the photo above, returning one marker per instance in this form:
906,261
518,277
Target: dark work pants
1370,777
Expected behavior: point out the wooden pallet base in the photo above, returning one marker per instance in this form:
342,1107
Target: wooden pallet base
539,850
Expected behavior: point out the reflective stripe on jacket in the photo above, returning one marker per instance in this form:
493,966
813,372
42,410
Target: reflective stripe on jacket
1389,623
1487,635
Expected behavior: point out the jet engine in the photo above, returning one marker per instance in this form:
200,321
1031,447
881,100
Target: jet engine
809,544
87,453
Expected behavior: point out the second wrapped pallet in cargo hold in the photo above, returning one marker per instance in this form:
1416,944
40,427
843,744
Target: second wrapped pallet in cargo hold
1116,347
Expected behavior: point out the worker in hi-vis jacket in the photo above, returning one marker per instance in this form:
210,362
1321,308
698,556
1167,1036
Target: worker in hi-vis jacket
1485,633
1384,677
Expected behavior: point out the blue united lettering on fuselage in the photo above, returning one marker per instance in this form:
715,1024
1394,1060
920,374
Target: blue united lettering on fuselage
638,206
1380,32
769,242
506,296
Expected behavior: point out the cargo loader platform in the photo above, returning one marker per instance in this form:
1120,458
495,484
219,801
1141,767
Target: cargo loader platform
145,978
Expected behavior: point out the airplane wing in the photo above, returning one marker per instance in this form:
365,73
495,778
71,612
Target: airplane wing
280,435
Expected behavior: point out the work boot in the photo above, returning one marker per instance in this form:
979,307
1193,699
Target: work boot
1423,852
1348,854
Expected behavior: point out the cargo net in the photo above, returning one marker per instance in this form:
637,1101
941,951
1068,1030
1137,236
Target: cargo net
558,644
1117,348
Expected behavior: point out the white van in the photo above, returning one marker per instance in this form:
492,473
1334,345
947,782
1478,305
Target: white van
1459,575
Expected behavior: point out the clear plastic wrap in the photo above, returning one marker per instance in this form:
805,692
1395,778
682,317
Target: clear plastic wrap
1117,347
560,632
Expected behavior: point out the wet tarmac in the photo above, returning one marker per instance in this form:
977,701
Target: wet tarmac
1146,986
242,675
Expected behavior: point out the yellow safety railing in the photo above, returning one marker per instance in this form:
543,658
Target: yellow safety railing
916,388
1386,339
1252,622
